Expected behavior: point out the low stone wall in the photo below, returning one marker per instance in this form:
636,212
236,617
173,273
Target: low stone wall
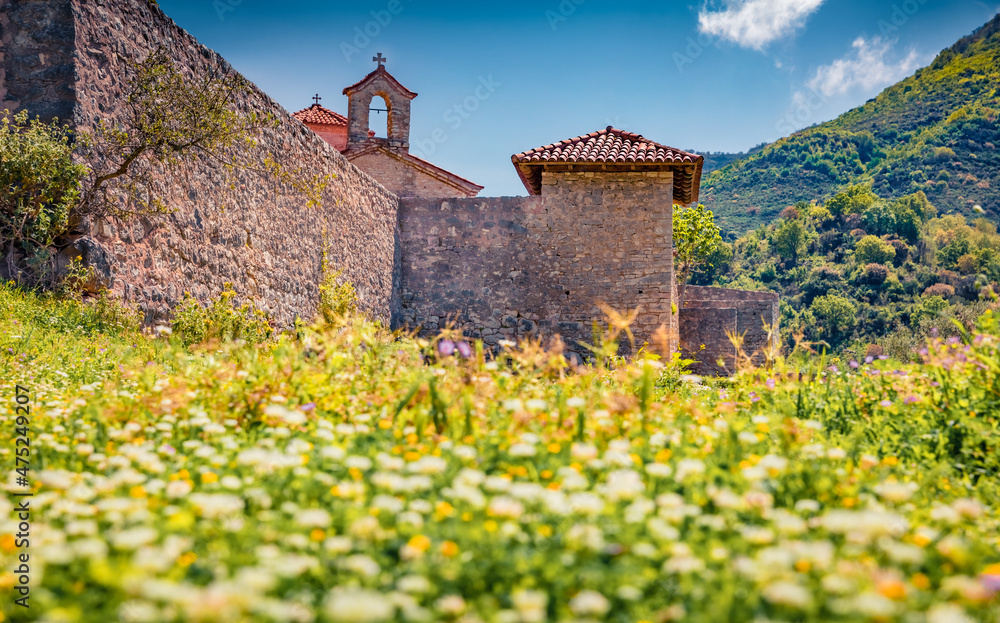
709,315
257,236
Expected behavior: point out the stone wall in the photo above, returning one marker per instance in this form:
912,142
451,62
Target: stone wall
519,266
261,238
708,314
36,57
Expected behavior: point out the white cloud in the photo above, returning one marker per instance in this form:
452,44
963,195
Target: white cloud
867,66
756,23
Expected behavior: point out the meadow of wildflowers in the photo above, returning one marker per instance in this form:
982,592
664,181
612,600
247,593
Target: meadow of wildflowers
349,475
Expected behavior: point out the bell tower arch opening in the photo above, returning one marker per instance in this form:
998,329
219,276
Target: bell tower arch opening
379,106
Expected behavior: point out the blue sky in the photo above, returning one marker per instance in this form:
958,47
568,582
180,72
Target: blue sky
501,78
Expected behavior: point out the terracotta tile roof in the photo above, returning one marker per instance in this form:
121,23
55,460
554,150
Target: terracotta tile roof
318,115
381,71
614,147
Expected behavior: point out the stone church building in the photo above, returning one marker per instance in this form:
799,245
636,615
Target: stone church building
595,228
420,245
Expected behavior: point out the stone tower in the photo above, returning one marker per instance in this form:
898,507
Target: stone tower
396,97
388,159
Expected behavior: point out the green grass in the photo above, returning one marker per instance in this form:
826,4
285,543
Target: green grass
354,475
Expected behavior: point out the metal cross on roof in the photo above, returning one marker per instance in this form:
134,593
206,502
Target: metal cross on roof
317,98
379,59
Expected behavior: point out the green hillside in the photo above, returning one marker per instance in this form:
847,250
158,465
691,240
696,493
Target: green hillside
863,273
934,132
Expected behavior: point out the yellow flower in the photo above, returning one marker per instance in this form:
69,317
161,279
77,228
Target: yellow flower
466,516
993,569
545,531
137,492
444,509
554,447
385,424
420,543
803,566
317,535
6,580
893,589
209,477
186,559
890,460
663,455
921,581
546,474
449,549
411,456
490,525
7,543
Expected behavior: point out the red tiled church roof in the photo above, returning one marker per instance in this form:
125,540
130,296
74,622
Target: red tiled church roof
612,147
318,115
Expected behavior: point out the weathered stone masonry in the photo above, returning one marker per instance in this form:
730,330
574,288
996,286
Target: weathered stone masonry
710,315
521,266
66,58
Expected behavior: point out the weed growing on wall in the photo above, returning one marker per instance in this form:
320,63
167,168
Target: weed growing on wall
221,319
337,297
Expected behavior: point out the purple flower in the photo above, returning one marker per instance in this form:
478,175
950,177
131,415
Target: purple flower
886,403
834,369
754,397
464,349
770,383
909,400
854,364
991,583
309,406
883,357
446,348
869,359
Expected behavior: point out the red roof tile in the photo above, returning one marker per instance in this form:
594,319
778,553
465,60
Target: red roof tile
318,115
611,146
608,145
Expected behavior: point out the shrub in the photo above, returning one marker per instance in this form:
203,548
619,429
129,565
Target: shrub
873,250
967,264
39,182
942,290
854,200
902,252
836,315
220,320
875,274
790,213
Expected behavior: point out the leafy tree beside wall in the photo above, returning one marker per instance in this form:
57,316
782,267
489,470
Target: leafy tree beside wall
51,178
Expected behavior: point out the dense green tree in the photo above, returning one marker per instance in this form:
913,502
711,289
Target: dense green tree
790,239
835,316
873,250
696,238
